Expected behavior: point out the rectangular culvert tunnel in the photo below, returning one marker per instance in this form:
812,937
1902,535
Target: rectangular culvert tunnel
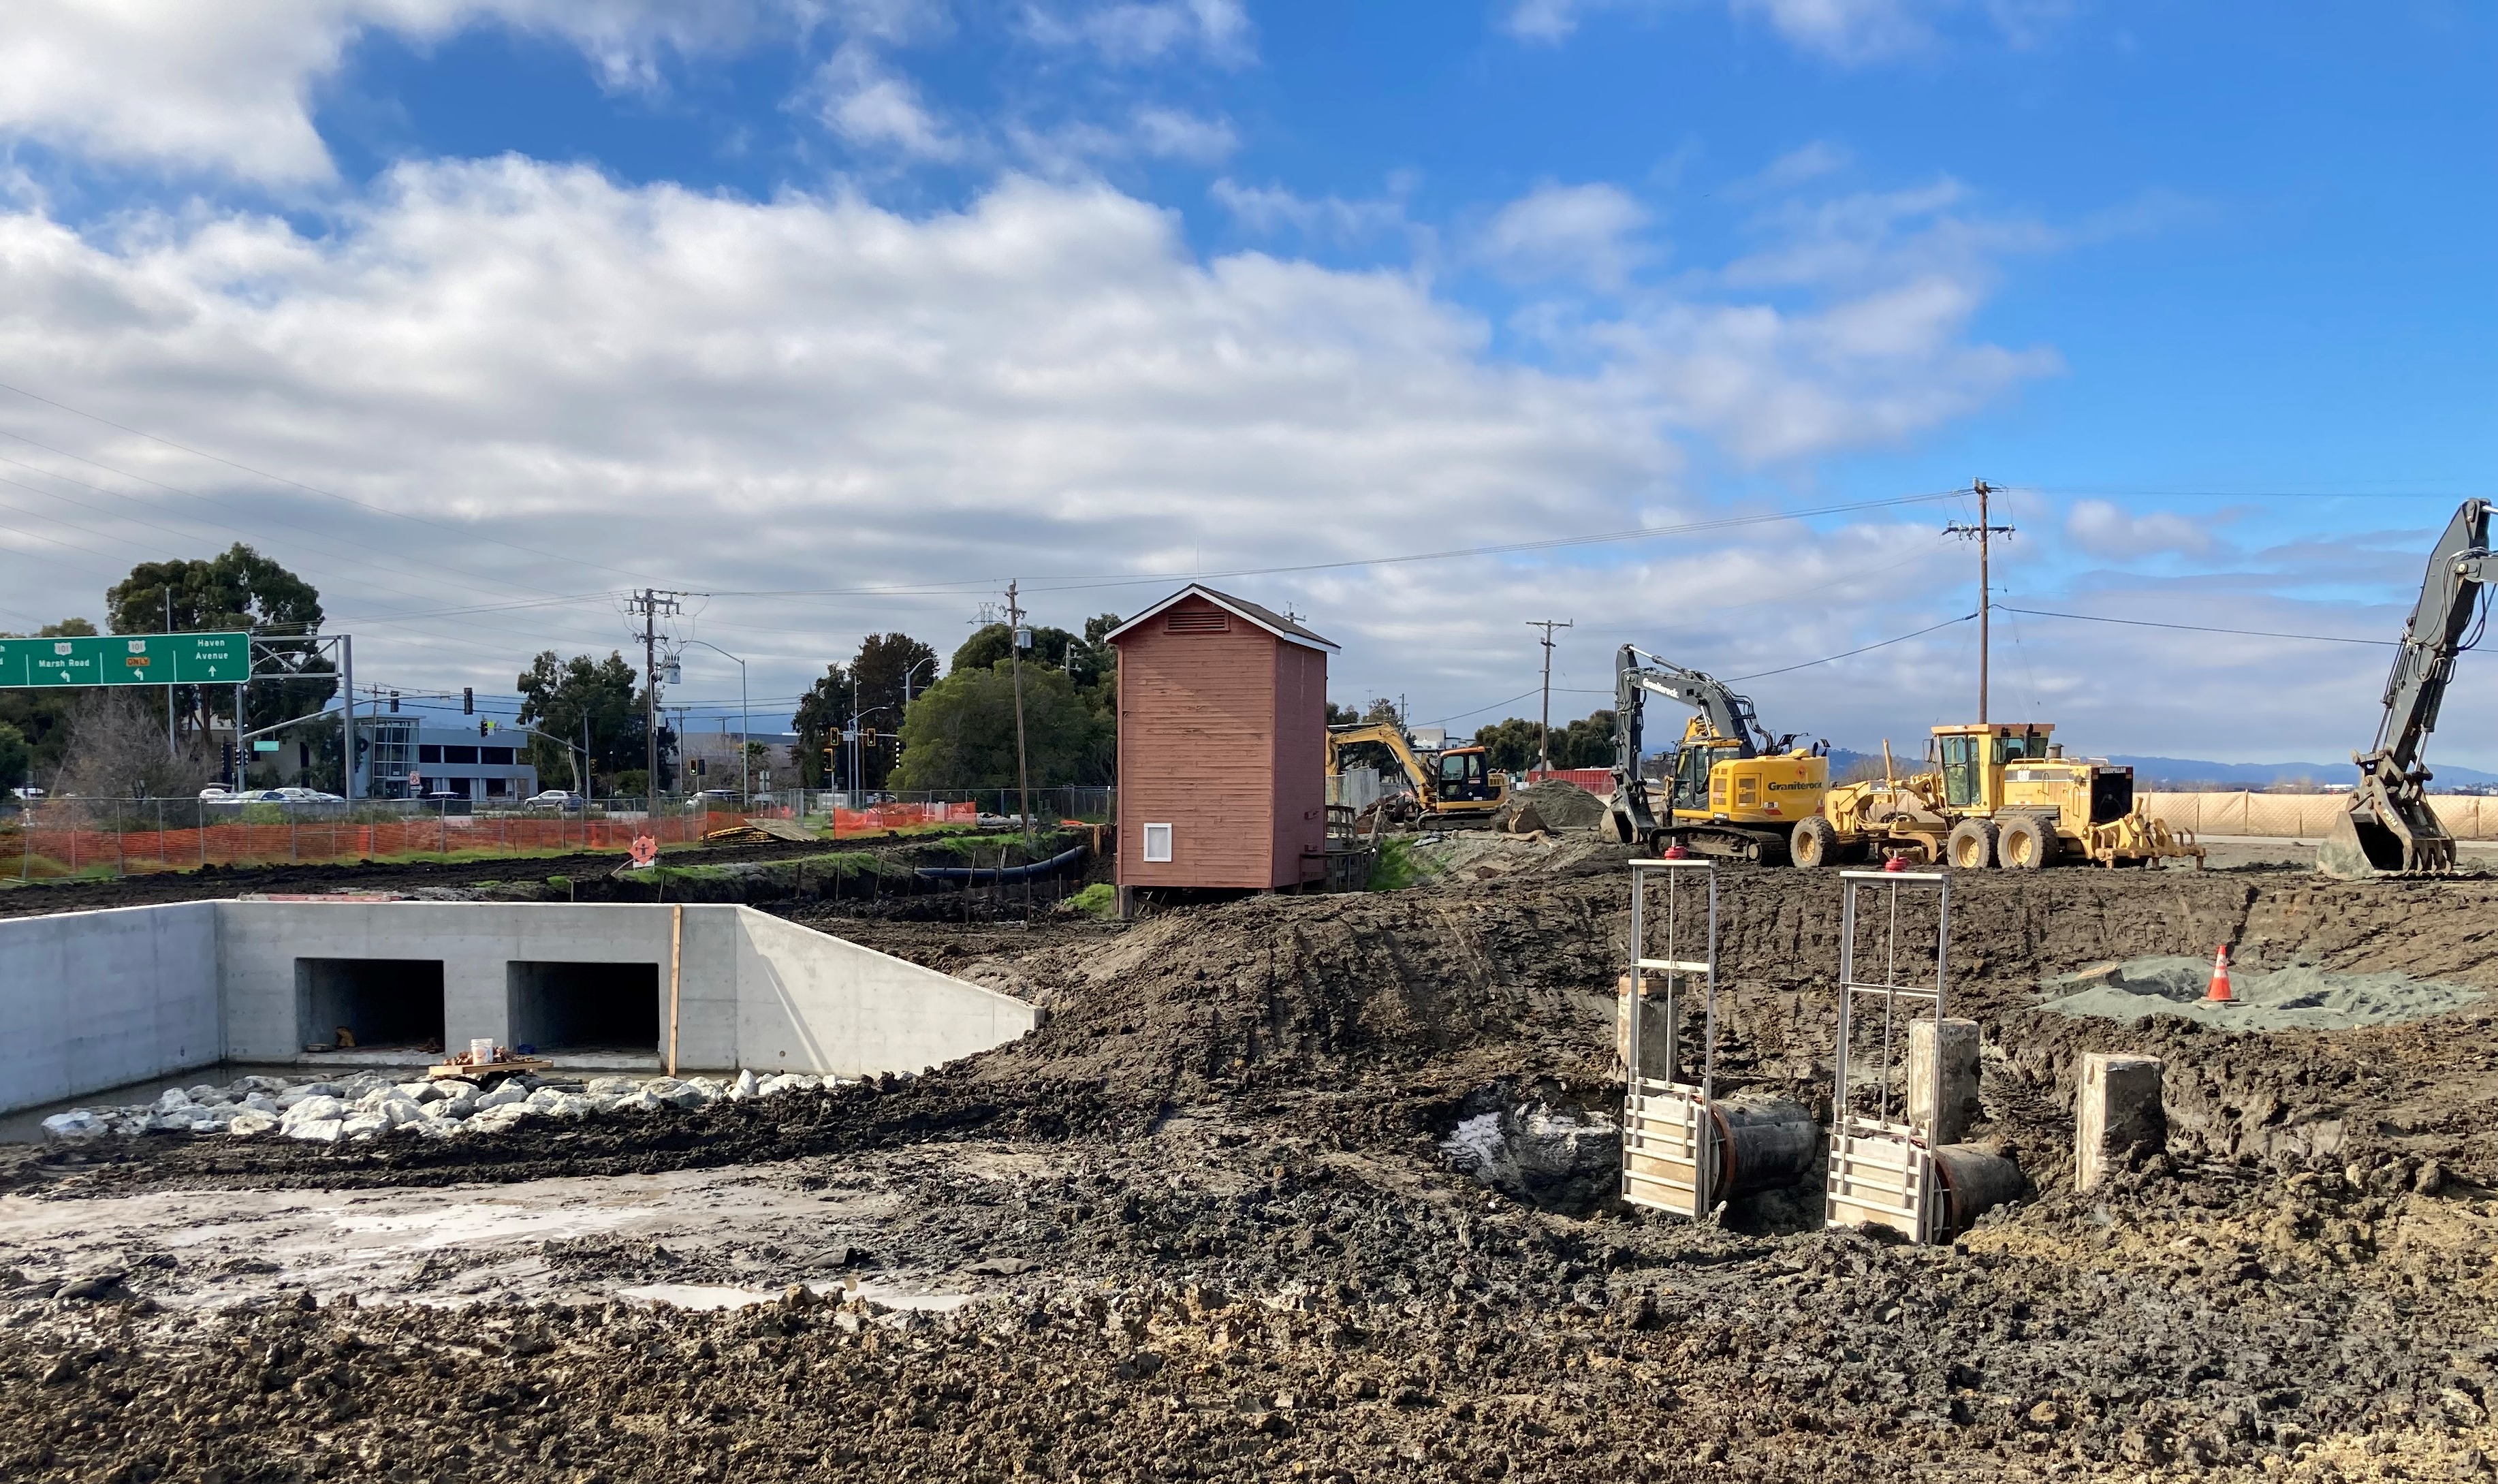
581,1008
380,1004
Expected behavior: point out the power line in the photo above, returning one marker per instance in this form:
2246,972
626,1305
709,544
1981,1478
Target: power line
1860,650
2252,634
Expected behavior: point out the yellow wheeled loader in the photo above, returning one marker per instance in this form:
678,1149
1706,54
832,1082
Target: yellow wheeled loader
1992,793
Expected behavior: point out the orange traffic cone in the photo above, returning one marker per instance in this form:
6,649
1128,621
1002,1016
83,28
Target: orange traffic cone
2219,994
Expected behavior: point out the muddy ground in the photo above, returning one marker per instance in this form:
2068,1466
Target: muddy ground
1198,1227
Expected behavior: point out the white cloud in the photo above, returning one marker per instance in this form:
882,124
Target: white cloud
1797,167
1271,209
1845,31
1139,31
229,87
1579,232
821,395
1175,134
872,107
2106,529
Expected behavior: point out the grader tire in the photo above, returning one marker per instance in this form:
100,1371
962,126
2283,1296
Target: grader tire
1971,847
2026,845
1815,844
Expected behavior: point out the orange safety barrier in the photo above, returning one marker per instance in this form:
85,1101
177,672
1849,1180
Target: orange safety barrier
884,818
320,841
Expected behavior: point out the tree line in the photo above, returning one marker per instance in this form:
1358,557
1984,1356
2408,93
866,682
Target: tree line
923,725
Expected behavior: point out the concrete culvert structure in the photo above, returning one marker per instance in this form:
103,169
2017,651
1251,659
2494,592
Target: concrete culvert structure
585,1008
381,1004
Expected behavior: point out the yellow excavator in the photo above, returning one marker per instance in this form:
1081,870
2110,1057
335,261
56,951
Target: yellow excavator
1736,791
1452,785
1992,793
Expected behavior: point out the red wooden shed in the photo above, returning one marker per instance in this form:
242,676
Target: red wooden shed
1222,746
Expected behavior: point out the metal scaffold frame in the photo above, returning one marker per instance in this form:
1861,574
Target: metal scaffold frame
1670,1139
1882,1168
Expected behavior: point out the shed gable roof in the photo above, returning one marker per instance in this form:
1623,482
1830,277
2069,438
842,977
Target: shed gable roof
1267,619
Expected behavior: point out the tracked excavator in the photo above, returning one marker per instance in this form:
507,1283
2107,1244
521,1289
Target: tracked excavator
1736,791
2391,829
1450,785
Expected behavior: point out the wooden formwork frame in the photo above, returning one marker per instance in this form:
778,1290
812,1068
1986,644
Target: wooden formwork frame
1881,1168
1670,1154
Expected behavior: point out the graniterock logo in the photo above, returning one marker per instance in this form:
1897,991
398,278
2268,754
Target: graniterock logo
1790,787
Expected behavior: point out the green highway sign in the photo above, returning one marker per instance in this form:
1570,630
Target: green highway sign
127,660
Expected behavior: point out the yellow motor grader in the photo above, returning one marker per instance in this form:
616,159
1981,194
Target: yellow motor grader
1990,794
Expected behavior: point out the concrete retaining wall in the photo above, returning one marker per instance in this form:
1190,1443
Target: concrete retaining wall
96,999
93,1000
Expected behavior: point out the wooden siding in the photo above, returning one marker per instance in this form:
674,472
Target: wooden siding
1197,740
1299,763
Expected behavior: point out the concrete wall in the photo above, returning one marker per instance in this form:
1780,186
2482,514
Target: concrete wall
812,1003
95,999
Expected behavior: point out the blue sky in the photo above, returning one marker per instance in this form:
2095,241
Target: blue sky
846,313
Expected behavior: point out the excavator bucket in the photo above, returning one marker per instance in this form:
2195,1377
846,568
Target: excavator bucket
2383,834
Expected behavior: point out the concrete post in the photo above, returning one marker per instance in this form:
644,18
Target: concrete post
1959,1105
2117,1115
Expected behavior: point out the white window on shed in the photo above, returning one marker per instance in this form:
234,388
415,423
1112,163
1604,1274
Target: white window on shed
1158,842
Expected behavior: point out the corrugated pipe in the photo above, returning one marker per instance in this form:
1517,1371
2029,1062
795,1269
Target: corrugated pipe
1055,863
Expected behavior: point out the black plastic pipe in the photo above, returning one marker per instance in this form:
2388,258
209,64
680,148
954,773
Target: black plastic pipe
1055,863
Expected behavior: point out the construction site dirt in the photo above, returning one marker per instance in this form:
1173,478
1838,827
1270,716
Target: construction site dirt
1200,1224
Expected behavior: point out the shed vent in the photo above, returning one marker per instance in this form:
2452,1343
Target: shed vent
1198,621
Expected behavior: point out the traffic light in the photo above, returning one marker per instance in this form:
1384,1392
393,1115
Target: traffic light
468,700
485,728
393,703
699,769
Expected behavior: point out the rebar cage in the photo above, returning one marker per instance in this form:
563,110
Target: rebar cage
1883,1167
1669,1153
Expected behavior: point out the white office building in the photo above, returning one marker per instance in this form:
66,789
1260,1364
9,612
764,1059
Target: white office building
414,756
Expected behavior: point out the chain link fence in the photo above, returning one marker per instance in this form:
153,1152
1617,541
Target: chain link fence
93,837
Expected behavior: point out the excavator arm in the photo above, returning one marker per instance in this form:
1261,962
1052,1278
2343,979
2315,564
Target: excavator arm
1392,737
1728,714
2391,829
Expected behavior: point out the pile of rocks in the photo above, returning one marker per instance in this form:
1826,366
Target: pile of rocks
372,1105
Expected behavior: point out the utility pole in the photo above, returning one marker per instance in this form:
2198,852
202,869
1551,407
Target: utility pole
1014,653
1544,733
1982,531
171,751
650,603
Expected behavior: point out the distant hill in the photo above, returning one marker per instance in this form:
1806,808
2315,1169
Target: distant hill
2176,772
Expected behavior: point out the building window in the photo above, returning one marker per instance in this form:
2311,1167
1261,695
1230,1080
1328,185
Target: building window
428,751
498,787
1158,842
495,756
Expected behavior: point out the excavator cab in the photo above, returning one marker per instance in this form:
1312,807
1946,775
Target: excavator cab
1463,775
1691,764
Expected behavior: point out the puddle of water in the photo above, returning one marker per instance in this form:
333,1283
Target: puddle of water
729,1296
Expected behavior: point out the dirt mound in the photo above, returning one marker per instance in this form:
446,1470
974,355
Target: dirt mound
1555,804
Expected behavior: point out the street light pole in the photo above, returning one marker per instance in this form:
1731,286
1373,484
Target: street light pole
742,791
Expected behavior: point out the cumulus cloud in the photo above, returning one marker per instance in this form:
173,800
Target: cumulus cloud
2106,529
229,88
1587,233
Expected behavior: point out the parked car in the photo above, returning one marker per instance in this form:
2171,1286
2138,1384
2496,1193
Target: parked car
554,798
214,792
29,793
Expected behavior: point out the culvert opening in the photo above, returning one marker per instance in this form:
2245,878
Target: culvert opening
380,1004
585,1007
